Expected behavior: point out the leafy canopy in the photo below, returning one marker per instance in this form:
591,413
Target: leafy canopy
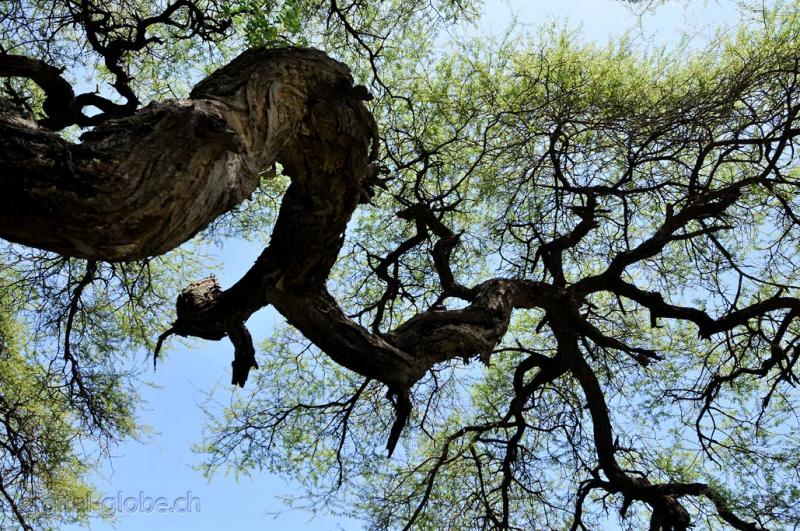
657,186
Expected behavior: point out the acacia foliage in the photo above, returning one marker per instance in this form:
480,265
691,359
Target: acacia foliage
658,184
653,191
74,343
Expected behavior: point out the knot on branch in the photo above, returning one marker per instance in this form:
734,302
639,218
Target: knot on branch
192,309
192,301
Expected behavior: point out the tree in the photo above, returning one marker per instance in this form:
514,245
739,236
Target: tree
610,233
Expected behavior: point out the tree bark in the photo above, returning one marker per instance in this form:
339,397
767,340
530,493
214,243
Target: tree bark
142,185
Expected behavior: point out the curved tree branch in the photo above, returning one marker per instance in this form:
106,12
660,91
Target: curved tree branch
142,185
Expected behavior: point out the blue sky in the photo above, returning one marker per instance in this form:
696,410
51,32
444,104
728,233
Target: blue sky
161,465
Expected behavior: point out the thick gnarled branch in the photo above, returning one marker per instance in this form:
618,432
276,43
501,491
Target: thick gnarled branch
142,185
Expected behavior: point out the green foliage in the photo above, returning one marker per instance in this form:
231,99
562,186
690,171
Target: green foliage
474,127
62,412
472,132
43,475
270,23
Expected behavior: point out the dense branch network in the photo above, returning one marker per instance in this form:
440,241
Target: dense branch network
121,194
112,34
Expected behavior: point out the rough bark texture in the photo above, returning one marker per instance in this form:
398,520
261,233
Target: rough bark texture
142,185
